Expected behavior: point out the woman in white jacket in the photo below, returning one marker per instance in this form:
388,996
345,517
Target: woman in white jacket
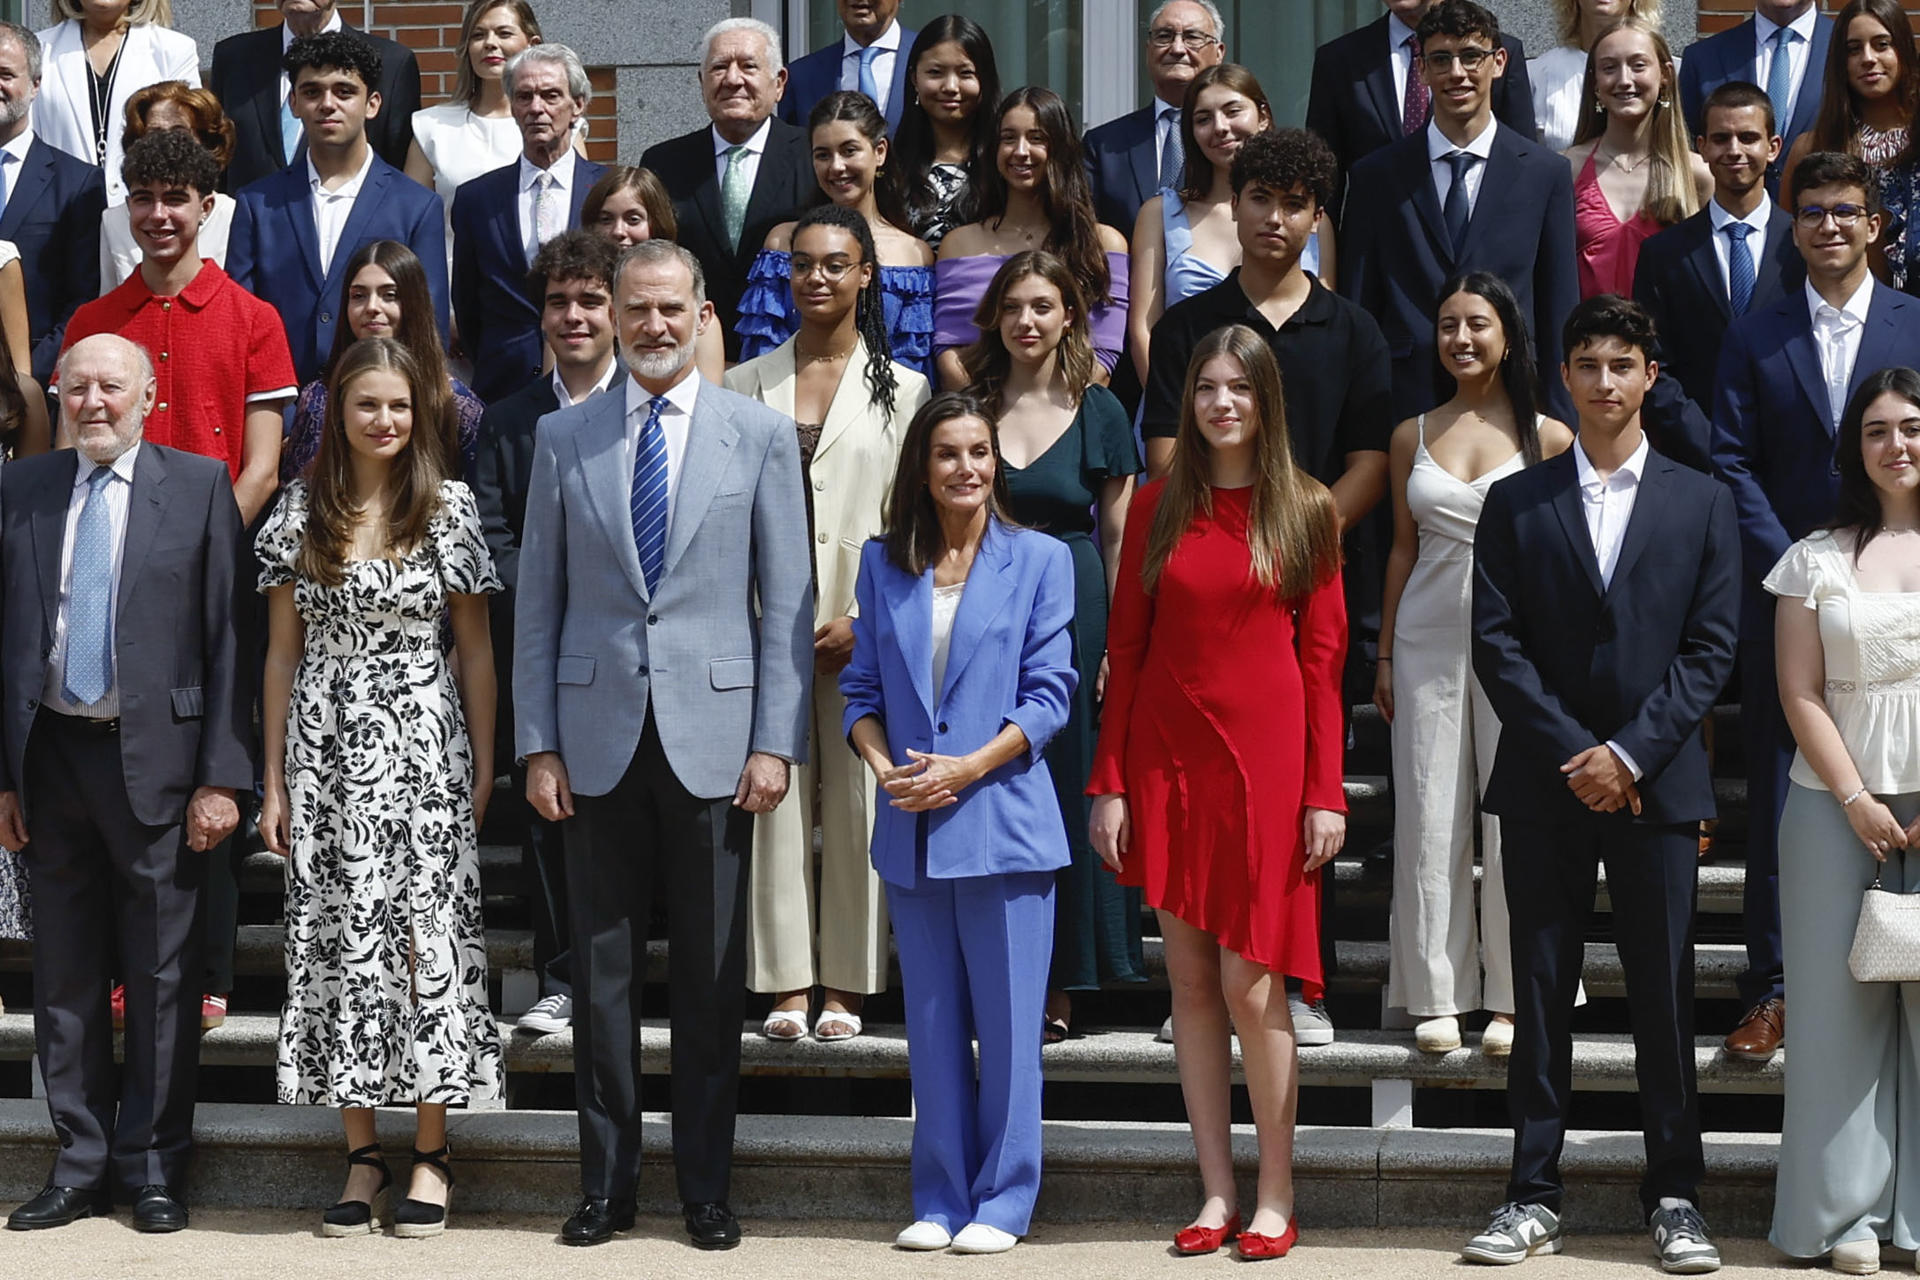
100,53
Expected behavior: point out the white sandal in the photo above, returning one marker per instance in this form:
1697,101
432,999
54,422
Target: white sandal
835,1015
785,1025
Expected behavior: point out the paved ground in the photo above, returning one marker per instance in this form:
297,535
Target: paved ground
285,1247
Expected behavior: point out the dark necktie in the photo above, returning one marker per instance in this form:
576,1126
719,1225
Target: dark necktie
1740,273
1413,105
1457,209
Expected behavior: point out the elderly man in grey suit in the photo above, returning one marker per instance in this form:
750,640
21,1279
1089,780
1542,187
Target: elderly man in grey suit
664,648
124,742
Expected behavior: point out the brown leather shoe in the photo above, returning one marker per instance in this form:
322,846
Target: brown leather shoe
1759,1034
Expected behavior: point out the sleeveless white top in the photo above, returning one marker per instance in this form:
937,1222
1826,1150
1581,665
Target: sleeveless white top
946,605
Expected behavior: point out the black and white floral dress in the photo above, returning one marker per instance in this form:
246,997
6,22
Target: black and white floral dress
386,966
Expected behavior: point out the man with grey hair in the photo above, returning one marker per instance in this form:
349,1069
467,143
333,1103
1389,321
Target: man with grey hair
122,744
53,204
663,653
500,219
742,175
1130,159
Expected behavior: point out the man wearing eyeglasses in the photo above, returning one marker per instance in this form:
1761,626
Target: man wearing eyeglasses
1130,159
1366,92
1464,193
1786,374
1783,49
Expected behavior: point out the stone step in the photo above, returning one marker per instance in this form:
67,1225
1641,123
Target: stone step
813,1167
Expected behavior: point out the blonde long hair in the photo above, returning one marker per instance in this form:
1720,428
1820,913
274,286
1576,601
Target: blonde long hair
1567,12
158,12
1292,530
1671,193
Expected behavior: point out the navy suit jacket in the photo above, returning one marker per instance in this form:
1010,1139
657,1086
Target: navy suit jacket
1569,662
274,250
1395,254
1123,167
498,315
53,218
1773,436
813,77
1353,107
1730,55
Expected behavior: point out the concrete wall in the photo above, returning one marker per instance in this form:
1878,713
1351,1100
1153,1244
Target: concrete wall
1533,21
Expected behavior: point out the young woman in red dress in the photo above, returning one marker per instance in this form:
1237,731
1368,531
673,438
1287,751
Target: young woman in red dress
1218,773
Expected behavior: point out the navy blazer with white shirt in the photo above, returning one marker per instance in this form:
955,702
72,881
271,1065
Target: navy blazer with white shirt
1734,55
813,77
53,218
1123,166
1010,662
498,315
274,250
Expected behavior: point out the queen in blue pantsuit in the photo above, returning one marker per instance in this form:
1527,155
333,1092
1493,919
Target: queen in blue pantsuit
962,670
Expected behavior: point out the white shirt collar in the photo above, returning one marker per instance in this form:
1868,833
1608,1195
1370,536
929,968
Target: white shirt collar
1855,308
350,188
1589,478
888,40
1438,144
1802,26
606,380
122,466
18,147
287,37
681,395
1722,217
561,171
754,145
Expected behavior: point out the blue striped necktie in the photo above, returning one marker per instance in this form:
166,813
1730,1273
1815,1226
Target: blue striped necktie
90,598
647,501
1741,275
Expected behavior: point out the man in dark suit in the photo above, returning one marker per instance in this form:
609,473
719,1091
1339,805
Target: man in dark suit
53,206
1606,595
1366,93
1464,193
294,230
1130,159
744,174
1786,373
501,219
1783,49
871,58
124,742
248,79
573,274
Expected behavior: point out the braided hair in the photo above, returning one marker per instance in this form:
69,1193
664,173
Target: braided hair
869,310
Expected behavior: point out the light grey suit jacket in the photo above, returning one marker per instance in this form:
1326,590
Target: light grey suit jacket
592,645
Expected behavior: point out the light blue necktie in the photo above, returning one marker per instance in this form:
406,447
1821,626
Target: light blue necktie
647,500
1173,156
90,598
1740,273
290,130
1780,77
867,84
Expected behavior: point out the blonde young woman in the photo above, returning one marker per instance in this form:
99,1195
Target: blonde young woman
99,54
1558,75
1633,172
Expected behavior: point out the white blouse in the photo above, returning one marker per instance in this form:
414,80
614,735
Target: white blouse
946,605
1872,644
1556,77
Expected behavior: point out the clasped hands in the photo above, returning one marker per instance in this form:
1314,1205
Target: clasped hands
1601,781
927,781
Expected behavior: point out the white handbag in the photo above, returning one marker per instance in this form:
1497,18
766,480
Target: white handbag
1886,942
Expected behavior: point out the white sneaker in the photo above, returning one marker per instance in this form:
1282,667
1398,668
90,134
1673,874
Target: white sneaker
1497,1040
1166,1031
978,1237
1437,1035
1856,1257
1517,1232
923,1237
1311,1025
548,1015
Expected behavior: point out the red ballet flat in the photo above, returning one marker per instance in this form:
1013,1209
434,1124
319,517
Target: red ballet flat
1191,1241
1254,1247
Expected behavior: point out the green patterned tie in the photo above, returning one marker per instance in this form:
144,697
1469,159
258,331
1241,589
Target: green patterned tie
734,193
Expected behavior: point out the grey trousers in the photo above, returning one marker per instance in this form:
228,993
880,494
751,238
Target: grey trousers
1850,1145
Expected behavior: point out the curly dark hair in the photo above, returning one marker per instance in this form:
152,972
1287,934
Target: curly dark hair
1608,315
170,158
870,312
1282,159
334,51
1459,19
578,254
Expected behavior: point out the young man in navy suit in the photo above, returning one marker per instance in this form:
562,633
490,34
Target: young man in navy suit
1786,372
1131,158
871,59
501,219
1606,597
1465,193
1783,49
294,230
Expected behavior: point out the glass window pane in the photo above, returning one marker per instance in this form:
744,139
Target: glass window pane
1278,52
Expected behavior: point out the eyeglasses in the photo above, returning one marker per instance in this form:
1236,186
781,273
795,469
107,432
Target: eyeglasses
1441,61
1811,217
834,269
1163,38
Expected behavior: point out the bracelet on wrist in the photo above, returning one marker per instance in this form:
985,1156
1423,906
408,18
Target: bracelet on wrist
1848,802
1385,657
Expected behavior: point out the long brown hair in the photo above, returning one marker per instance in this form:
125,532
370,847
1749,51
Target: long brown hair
466,85
987,361
413,484
1671,194
1291,530
644,183
1837,125
913,538
418,332
1196,177
1065,196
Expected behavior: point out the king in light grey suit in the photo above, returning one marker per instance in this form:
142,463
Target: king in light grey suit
657,710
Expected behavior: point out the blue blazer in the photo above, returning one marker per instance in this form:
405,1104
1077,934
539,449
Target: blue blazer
53,218
274,250
813,77
1011,661
1773,436
1730,55
493,301
1122,167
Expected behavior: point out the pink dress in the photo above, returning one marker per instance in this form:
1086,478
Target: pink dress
1606,247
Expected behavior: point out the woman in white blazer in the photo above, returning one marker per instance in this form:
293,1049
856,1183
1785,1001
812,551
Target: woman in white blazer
851,403
100,54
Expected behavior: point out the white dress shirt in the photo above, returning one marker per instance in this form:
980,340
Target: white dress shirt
889,46
331,209
750,163
287,38
561,172
15,156
1399,57
1836,335
1756,242
1798,53
674,422
567,401
1439,146
1608,506
117,494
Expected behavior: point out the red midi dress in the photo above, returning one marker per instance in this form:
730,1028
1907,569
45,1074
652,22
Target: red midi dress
1221,726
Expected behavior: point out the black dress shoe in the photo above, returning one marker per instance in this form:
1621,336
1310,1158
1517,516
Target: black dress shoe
155,1209
595,1221
712,1225
56,1207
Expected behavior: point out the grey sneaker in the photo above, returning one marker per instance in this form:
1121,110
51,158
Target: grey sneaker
1517,1232
548,1015
1311,1025
1680,1238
